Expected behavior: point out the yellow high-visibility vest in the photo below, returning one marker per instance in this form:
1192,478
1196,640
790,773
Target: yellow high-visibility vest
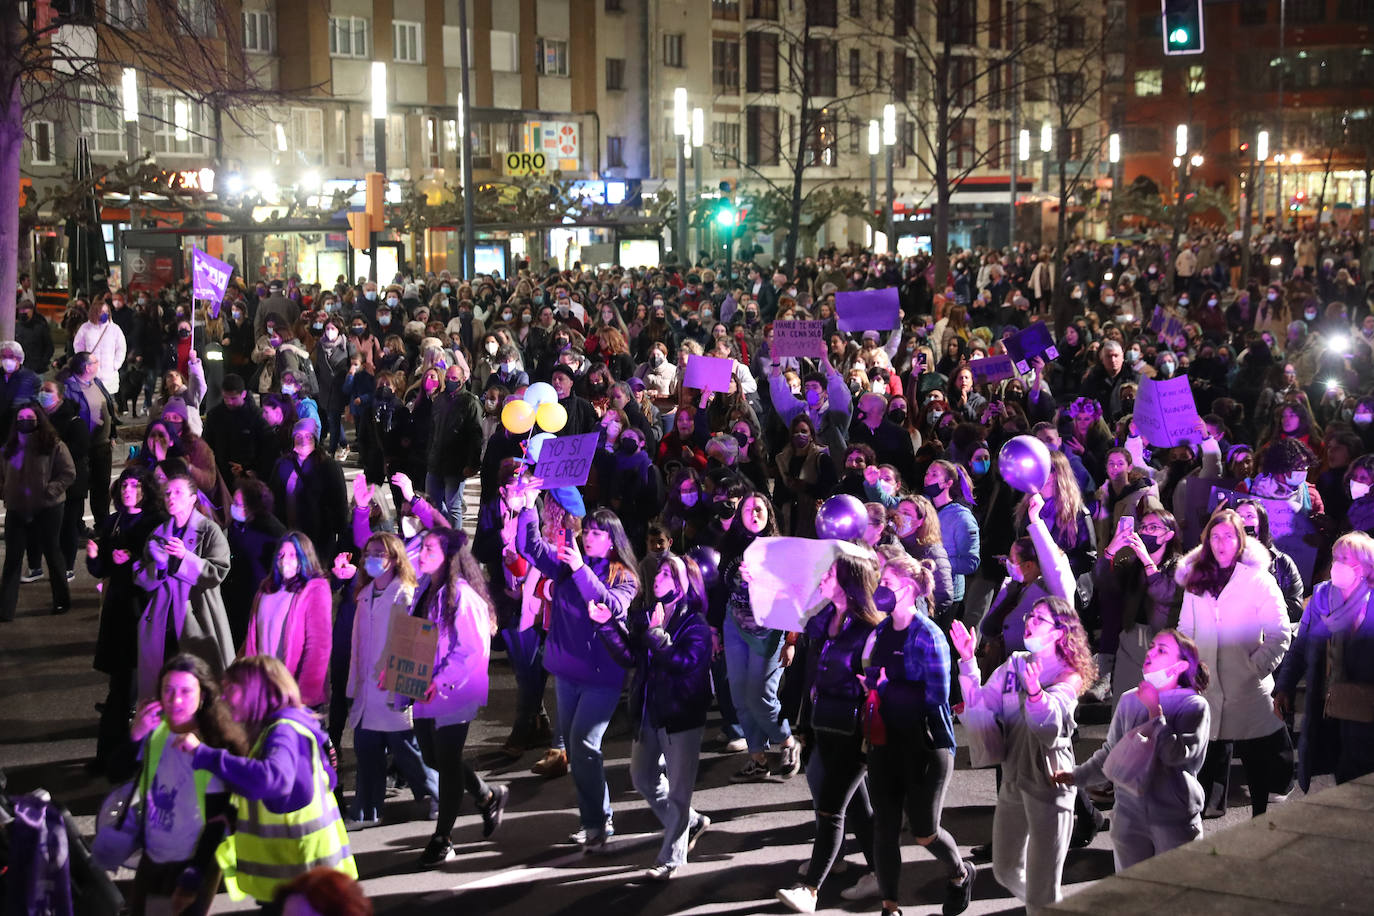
267,850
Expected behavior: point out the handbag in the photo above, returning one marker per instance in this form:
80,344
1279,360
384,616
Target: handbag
1130,764
119,824
987,744
1349,700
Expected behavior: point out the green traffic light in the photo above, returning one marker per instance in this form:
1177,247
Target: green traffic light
725,217
1178,36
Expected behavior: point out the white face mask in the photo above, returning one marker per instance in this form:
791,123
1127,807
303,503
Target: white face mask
1159,678
1358,490
1038,643
492,347
9,365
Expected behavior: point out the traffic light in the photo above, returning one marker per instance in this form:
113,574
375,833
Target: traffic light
726,215
359,230
375,200
1182,27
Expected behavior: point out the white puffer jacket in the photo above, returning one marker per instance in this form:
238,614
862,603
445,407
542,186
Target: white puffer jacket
1242,635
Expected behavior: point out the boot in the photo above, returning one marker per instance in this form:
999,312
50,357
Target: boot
1101,689
542,733
519,739
553,764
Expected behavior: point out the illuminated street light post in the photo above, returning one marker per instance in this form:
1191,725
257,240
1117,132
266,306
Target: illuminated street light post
379,146
129,93
682,140
890,141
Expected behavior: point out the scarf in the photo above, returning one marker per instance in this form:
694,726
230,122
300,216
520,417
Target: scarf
1342,613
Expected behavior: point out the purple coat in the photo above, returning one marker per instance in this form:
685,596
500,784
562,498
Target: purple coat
280,774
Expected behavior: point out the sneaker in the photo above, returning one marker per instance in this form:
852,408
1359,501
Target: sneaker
866,888
71,574
598,843
579,836
354,823
439,851
799,899
790,761
733,745
959,896
753,771
492,811
33,575
553,764
696,830
60,610
660,872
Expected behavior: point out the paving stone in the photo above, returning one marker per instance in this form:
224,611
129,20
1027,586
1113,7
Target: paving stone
1121,897
1352,795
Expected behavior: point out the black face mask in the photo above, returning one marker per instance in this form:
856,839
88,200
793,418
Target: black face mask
1151,542
627,447
1252,531
932,490
897,416
26,425
743,440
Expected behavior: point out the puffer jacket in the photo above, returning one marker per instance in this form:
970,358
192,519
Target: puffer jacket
461,659
1242,635
672,683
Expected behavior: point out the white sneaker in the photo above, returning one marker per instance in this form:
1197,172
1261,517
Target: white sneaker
799,899
865,889
734,746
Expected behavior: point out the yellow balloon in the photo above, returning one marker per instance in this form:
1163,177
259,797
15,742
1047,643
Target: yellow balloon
552,417
517,417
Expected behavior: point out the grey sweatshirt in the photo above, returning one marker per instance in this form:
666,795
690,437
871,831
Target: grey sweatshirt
1173,795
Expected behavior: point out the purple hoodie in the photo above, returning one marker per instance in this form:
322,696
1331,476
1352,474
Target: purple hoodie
280,776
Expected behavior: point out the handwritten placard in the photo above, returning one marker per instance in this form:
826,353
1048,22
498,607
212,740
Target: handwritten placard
1028,343
798,339
564,461
411,644
868,309
1292,531
992,369
708,373
1165,412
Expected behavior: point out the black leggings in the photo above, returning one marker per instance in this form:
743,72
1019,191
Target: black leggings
842,776
442,750
907,775
1262,758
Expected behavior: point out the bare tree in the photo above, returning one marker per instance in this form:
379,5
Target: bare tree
64,53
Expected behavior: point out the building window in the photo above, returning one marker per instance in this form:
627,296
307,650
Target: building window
432,142
615,152
725,9
101,121
822,13
820,63
128,14
397,143
763,135
180,126
725,141
257,31
672,49
552,57
1072,143
615,74
904,15
615,6
307,134
822,145
197,17
42,150
725,65
406,47
347,36
856,67
341,138
1197,79
963,81
763,9
1072,31
1140,139
1069,88
959,25
1357,10
505,52
995,152
963,143
1149,82
450,135
762,63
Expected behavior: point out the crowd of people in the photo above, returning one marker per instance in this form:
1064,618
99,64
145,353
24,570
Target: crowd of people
248,590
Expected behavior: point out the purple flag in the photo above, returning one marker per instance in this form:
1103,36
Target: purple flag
210,278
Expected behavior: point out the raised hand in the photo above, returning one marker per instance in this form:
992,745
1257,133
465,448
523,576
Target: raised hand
570,555
657,617
402,482
1030,677
963,640
1149,695
343,567
362,491
1034,503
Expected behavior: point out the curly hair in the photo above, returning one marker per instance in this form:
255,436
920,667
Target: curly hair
215,724
1284,455
1073,650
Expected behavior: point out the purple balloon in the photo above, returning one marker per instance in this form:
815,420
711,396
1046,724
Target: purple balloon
708,561
1024,463
842,517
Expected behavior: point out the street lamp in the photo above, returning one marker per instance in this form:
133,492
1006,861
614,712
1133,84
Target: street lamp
1046,144
875,146
1114,148
1113,169
129,93
379,145
1023,146
682,129
1181,140
1196,160
890,141
698,140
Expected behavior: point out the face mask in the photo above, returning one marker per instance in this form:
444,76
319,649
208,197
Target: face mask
690,499
1158,678
9,365
392,301
1076,294
656,360
492,347
1166,369
800,441
1151,542
507,316
26,425
318,325
904,525
1038,644
1211,303
104,317
627,447
450,385
1182,300
1296,478
374,566
1358,490
383,320
446,289
1014,574
1310,314
329,306
238,513
742,439
980,466
409,527
935,416
370,295
331,334
1272,297
1132,356
813,398
1108,300
237,314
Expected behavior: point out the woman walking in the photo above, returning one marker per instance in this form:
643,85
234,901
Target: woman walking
36,471
291,617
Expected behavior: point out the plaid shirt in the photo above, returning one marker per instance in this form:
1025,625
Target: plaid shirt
926,658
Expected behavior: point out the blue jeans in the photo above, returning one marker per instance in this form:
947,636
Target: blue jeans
584,711
663,768
754,682
525,649
370,748
446,495
720,680
332,438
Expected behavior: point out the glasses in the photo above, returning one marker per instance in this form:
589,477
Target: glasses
1154,529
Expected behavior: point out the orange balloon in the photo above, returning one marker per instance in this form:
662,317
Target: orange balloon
517,417
552,417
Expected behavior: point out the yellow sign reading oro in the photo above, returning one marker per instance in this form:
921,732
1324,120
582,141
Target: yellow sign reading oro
526,164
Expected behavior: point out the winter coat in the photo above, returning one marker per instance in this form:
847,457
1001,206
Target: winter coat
672,683
462,657
116,644
321,500
1242,635
1008,612
305,643
574,650
107,342
455,449
960,534
31,482
331,368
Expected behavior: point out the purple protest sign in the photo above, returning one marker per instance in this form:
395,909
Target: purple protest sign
210,278
868,309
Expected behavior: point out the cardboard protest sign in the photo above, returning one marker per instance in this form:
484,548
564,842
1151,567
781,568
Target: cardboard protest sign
209,279
1291,529
1028,343
1165,413
992,369
798,338
411,643
564,461
785,577
868,309
1173,329
708,373
1157,319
